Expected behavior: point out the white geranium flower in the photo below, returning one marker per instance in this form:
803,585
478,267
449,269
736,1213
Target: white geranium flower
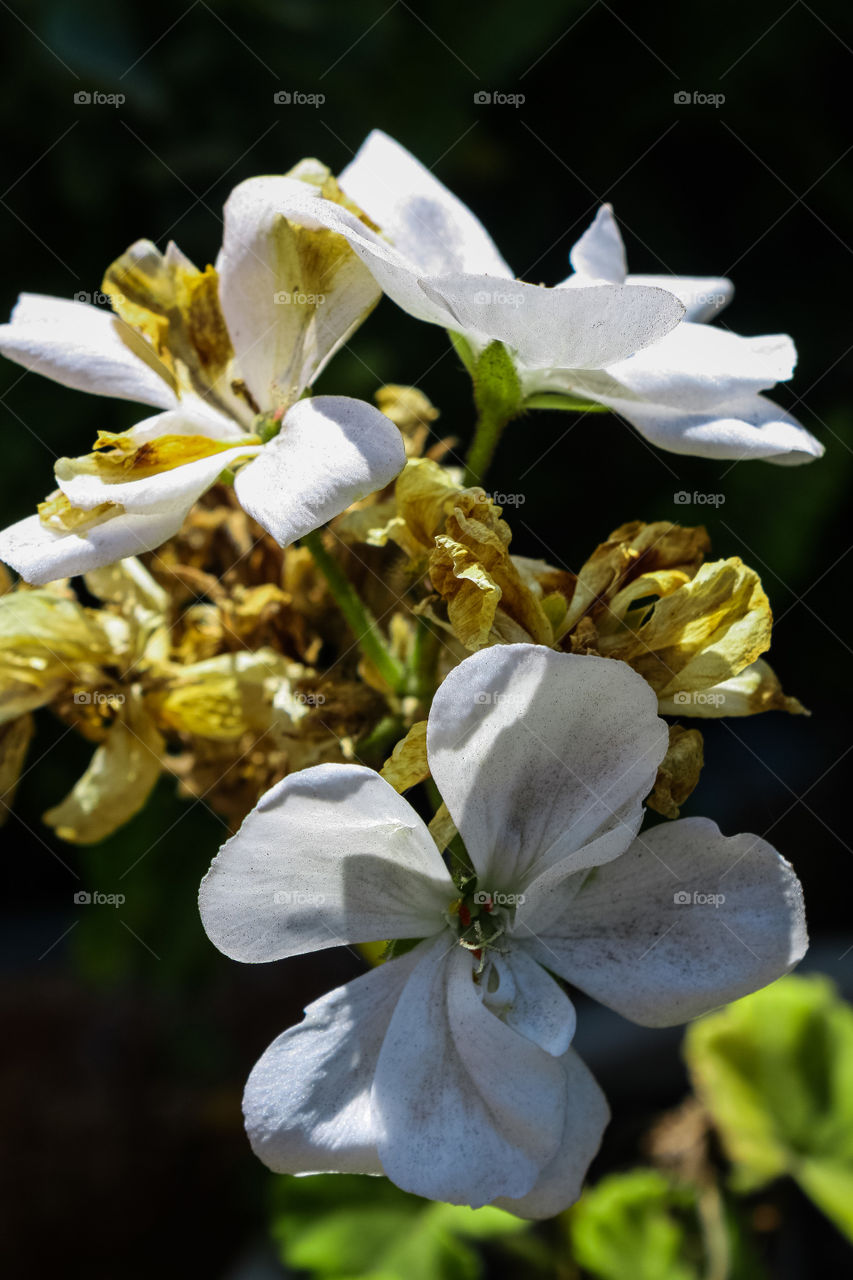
226,356
438,263
687,388
696,390
450,1068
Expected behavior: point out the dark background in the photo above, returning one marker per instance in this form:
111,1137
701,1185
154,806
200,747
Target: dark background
128,1037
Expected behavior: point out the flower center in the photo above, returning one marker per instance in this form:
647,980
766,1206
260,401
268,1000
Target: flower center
268,425
478,921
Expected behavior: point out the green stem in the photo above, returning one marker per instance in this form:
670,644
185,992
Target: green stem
360,620
375,747
422,663
712,1218
487,433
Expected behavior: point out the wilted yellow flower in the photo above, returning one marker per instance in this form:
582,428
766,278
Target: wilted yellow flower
119,674
693,629
689,628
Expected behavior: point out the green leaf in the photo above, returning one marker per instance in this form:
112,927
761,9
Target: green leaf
633,1224
340,1226
775,1070
555,400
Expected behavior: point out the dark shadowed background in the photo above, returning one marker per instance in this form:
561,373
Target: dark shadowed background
127,1036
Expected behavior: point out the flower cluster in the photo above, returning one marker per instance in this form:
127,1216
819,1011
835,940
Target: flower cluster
401,646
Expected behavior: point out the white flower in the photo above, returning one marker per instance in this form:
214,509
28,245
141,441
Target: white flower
225,356
438,263
697,389
687,388
450,1068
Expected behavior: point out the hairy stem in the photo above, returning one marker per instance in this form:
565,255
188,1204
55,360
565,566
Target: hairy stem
487,433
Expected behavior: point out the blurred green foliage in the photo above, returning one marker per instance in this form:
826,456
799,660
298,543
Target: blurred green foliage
634,1224
776,1073
338,1227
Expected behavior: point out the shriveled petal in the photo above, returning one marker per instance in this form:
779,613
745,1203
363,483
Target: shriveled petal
291,293
703,296
331,451
84,347
330,855
561,1181
466,1109
686,920
407,765
47,641
15,738
537,753
118,781
307,1100
416,212
697,634
600,252
562,328
751,428
757,688
519,991
41,555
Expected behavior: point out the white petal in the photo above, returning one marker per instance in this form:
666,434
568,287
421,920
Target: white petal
683,922
561,1181
697,366
41,555
565,328
423,220
396,274
703,296
537,753
466,1109
331,451
282,339
181,485
330,855
751,428
82,347
600,252
519,991
307,1100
